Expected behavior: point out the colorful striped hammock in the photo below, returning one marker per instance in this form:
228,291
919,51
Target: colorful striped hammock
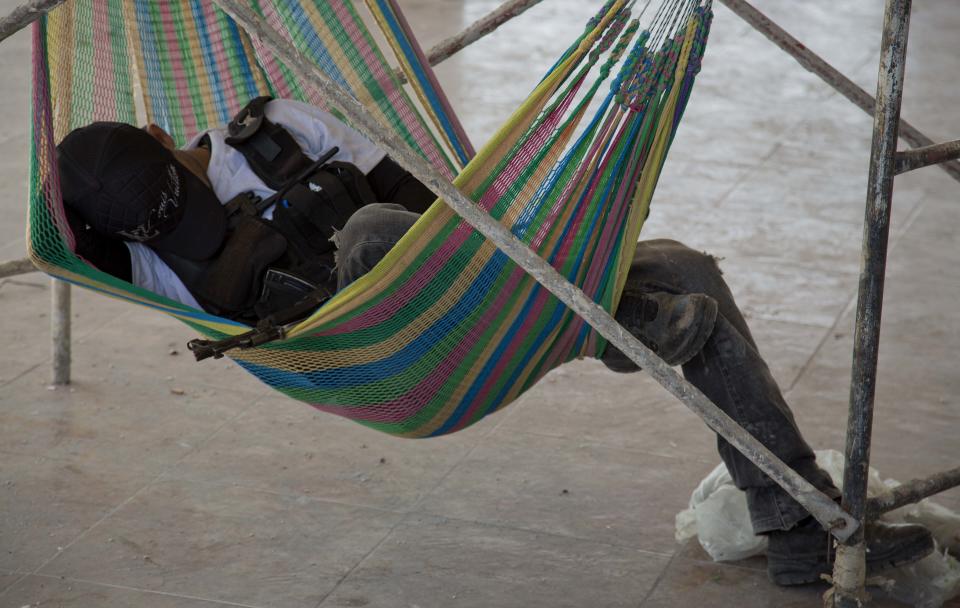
446,329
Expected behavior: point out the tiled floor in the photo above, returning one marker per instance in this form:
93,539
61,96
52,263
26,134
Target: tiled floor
121,491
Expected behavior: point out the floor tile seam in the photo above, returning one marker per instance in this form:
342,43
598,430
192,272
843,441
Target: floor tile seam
165,470
829,331
769,259
61,550
166,478
791,215
537,531
851,303
74,336
612,447
467,454
360,561
747,174
142,590
18,280
25,372
14,583
711,562
72,384
753,315
660,577
110,468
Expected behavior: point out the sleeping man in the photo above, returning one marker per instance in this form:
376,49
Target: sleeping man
287,201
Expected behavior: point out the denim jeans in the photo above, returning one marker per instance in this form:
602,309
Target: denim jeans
366,237
728,369
730,372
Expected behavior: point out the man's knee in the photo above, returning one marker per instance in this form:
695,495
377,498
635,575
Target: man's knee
678,256
664,264
367,237
379,222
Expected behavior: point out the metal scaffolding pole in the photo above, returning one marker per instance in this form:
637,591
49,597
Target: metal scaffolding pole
60,331
913,491
829,74
15,267
480,28
849,572
24,15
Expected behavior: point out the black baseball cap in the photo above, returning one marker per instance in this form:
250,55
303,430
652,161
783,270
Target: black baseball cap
125,184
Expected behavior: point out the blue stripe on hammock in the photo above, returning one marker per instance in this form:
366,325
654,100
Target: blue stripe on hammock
425,83
318,50
209,61
344,377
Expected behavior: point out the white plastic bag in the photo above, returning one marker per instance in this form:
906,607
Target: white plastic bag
718,517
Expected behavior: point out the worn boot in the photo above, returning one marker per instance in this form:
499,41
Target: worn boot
674,326
803,554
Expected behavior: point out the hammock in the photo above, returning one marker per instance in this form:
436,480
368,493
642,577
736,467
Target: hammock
447,328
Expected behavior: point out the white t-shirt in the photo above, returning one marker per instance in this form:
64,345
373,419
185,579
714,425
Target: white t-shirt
313,129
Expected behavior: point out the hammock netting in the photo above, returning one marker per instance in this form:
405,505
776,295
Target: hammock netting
446,329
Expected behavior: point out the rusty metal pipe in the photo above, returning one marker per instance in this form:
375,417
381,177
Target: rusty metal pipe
829,74
850,566
928,155
913,491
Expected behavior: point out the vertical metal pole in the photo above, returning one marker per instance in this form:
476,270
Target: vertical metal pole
60,331
850,567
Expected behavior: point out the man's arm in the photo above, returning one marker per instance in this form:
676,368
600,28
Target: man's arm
106,254
391,183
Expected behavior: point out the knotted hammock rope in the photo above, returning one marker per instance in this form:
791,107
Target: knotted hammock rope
447,328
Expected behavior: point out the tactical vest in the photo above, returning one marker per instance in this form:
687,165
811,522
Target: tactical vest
268,266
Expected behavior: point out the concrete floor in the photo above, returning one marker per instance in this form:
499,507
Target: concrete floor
154,481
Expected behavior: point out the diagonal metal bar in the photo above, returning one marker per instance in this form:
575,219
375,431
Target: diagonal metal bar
829,74
15,267
821,506
24,15
480,28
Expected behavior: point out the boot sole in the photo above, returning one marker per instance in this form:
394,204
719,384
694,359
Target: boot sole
809,569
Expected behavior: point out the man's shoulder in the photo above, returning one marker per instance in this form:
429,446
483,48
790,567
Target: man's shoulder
291,110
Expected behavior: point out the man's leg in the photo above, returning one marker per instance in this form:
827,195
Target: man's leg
729,370
677,303
367,236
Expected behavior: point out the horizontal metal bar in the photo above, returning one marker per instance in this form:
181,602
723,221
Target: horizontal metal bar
909,160
24,15
15,267
829,74
480,28
913,491
827,512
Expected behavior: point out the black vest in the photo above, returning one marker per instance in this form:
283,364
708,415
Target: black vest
266,266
